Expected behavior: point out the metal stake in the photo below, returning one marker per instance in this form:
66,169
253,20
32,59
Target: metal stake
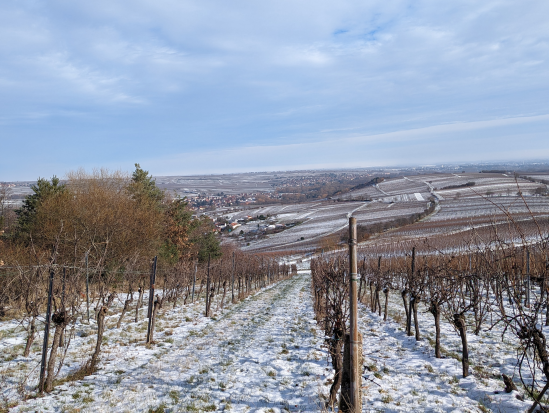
46,336
208,289
87,288
232,282
151,299
528,278
194,279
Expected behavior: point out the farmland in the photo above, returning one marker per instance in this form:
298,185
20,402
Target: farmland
418,366
265,353
463,202
261,353
263,338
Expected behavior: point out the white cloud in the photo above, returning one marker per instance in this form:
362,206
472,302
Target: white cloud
206,74
405,147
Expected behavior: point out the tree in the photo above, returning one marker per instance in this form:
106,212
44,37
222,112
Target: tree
5,195
143,187
91,214
541,190
176,245
43,190
205,243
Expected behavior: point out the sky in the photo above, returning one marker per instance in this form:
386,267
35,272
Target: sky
202,86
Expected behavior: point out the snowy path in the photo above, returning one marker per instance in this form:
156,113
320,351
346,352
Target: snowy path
263,354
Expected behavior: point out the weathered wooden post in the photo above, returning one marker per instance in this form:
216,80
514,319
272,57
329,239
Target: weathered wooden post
194,279
46,336
62,336
351,398
232,282
63,289
156,305
208,288
410,312
544,286
151,301
528,278
87,288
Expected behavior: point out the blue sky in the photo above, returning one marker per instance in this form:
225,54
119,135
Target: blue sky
202,86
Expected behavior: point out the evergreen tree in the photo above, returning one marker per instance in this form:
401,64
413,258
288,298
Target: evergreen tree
204,240
143,187
176,244
42,190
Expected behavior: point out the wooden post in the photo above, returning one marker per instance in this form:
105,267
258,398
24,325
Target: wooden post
528,278
345,398
87,288
63,289
409,317
386,292
194,279
46,336
139,303
543,287
413,261
151,301
208,288
62,336
543,282
412,295
355,399
232,282
156,306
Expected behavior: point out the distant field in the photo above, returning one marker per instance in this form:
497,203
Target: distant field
243,182
213,184
538,177
471,221
466,202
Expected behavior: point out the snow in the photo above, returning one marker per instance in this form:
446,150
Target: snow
410,378
263,353
266,354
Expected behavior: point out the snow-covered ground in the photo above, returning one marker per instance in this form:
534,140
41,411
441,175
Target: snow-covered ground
264,354
402,374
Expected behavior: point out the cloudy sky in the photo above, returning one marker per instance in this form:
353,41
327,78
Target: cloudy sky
204,86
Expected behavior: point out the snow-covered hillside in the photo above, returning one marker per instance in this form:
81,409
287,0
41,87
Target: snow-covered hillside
264,354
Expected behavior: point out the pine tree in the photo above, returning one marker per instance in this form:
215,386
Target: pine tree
42,190
143,187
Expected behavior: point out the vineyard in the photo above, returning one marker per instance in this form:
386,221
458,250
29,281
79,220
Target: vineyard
453,301
484,337
462,202
310,223
117,341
